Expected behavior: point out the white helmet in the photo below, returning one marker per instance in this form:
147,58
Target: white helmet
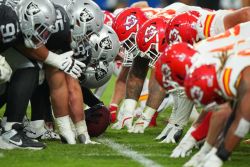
105,45
97,75
37,19
85,17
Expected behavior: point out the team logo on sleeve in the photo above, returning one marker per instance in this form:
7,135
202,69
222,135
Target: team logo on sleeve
174,36
106,43
196,93
32,9
150,33
131,21
86,16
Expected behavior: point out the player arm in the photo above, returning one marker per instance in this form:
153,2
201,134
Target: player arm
136,77
239,16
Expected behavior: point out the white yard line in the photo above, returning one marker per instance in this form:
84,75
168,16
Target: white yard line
118,155
127,152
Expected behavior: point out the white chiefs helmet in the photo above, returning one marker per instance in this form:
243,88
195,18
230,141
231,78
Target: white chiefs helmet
105,45
97,75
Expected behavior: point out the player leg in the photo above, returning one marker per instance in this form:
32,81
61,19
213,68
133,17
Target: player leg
76,110
20,89
119,92
60,102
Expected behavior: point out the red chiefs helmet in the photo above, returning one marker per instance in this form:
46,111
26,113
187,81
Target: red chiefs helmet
126,25
182,28
108,18
174,62
201,85
151,38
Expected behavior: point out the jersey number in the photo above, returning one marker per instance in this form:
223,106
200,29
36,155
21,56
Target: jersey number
8,32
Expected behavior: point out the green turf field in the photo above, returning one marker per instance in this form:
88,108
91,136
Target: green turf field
133,146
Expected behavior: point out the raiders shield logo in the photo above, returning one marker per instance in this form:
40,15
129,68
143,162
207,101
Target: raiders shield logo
196,93
106,43
130,22
32,9
100,74
86,16
150,33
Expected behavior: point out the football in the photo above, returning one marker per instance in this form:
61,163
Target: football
97,119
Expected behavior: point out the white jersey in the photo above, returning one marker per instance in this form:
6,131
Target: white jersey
210,23
226,40
229,77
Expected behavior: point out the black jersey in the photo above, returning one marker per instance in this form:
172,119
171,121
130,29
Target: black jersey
59,41
9,28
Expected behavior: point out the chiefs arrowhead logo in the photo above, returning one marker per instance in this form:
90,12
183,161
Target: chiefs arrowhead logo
86,16
150,33
196,93
131,21
106,43
174,36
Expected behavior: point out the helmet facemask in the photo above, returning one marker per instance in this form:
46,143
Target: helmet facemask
130,50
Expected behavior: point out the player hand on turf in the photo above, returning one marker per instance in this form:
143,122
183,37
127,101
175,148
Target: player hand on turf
5,70
66,63
211,160
199,157
195,160
85,139
171,134
140,124
184,148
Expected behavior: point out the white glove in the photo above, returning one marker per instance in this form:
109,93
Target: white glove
213,160
199,157
126,118
184,148
85,139
140,125
5,70
173,133
65,63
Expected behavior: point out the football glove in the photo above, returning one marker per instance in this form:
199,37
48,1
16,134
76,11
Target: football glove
85,139
211,160
5,70
66,63
171,134
199,156
184,148
140,125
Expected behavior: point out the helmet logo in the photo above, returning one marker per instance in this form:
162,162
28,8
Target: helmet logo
100,74
174,36
131,21
32,9
106,43
150,33
196,93
86,16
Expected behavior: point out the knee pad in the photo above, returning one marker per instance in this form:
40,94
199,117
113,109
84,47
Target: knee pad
243,128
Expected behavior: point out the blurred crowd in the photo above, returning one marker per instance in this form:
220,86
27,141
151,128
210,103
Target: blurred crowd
210,4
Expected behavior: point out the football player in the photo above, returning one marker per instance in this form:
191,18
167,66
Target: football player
33,34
